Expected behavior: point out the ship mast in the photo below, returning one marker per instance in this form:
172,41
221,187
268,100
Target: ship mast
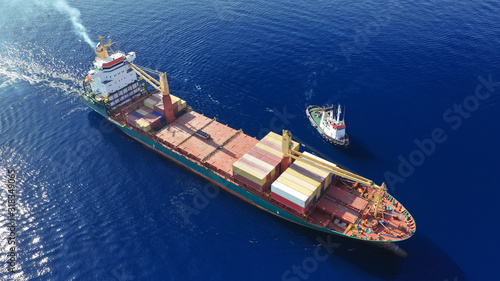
338,114
102,49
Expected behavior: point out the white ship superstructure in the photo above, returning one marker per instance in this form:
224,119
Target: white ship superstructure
333,127
329,123
111,75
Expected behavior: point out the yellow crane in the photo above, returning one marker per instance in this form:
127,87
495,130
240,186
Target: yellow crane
161,86
290,153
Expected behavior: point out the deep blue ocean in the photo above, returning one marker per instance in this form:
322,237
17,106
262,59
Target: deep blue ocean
420,81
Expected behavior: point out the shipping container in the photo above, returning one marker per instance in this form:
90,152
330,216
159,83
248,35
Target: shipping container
158,114
290,204
182,105
131,118
256,161
144,110
154,120
303,177
347,197
270,158
270,150
150,103
249,173
315,189
253,165
248,182
307,192
290,194
137,114
278,139
159,107
143,125
299,169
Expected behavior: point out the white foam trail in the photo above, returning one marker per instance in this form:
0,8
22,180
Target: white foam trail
74,16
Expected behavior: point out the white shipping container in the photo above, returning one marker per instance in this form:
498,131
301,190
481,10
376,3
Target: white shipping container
290,194
315,189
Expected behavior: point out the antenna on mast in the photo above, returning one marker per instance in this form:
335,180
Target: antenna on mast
338,113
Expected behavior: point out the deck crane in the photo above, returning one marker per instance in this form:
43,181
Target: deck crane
161,86
293,154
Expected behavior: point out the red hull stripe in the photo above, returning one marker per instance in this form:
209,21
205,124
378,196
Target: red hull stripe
113,62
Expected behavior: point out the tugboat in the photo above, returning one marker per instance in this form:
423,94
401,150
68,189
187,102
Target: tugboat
330,127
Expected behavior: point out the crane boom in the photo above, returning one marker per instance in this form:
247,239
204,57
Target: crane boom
288,152
153,82
161,86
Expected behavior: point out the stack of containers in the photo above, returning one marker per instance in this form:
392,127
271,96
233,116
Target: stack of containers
312,172
155,102
145,119
277,139
300,186
321,160
294,192
259,167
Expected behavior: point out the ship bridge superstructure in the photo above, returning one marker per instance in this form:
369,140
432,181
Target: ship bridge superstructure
110,72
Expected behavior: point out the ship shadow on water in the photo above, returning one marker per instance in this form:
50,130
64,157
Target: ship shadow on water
425,261
357,151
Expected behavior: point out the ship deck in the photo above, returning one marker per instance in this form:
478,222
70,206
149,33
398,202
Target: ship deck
341,208
224,146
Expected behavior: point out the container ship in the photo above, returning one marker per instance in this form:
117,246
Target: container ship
329,124
270,173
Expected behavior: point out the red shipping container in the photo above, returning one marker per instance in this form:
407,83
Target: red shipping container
159,107
147,109
254,165
155,121
131,119
248,182
271,144
262,157
272,157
